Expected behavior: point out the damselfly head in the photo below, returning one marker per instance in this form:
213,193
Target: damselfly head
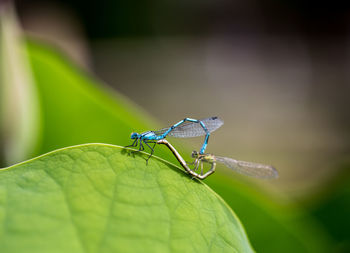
134,135
194,154
209,158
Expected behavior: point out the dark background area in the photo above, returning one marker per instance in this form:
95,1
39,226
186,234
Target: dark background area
109,19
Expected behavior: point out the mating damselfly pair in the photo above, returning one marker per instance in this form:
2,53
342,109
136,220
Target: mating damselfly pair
189,127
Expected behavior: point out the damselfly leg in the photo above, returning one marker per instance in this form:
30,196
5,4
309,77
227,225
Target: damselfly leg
199,163
151,148
134,144
142,148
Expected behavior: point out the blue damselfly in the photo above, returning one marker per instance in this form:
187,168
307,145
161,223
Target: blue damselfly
183,129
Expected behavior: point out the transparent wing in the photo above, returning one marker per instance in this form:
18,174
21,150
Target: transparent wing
248,168
192,129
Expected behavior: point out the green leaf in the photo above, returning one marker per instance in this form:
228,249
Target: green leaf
103,198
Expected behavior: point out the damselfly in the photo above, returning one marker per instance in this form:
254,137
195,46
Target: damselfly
246,168
183,129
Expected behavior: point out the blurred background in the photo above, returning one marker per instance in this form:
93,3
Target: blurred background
277,72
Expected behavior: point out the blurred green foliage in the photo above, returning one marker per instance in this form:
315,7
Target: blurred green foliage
77,109
74,108
103,198
332,208
273,225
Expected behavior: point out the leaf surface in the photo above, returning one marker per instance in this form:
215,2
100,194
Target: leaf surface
103,198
